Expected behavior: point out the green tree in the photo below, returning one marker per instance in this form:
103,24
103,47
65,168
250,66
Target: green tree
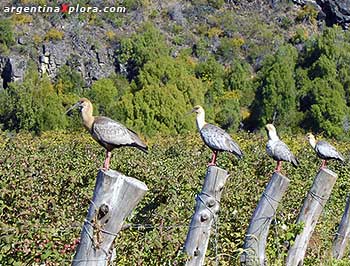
135,51
33,105
165,89
276,100
325,105
6,36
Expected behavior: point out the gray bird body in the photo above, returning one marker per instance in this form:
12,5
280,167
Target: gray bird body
279,151
111,134
218,140
326,151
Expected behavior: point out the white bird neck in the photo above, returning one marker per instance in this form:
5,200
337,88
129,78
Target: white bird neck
200,120
273,135
312,142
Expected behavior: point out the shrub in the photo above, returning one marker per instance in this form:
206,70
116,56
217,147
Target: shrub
32,106
7,35
54,35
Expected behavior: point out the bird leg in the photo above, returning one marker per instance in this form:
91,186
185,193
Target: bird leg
213,159
279,166
323,165
107,160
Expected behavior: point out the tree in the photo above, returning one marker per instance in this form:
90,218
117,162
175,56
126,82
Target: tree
6,36
325,109
164,90
33,105
148,43
275,100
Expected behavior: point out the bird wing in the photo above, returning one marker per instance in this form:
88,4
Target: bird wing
281,152
326,151
218,139
111,132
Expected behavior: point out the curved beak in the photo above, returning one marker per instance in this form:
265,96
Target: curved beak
190,112
70,110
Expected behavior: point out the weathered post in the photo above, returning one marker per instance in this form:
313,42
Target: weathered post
310,212
115,196
255,240
207,207
342,236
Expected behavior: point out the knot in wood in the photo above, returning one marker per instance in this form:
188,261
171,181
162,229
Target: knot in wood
211,202
196,252
204,216
102,211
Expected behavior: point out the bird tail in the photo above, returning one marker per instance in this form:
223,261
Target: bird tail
142,148
341,158
138,143
295,162
237,151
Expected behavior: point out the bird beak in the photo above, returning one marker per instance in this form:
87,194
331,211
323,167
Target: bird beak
190,112
70,110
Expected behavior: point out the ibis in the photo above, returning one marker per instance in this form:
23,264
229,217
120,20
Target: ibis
277,149
215,137
324,150
108,133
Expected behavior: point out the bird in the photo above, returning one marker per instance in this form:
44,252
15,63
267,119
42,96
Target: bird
108,133
215,137
278,150
324,150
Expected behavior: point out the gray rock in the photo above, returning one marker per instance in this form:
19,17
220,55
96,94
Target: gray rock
175,13
12,68
21,41
336,11
332,11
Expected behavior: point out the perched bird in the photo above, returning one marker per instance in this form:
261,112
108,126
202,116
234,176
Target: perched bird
324,150
277,149
107,132
214,137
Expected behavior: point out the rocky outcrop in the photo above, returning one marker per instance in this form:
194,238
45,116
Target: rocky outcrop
336,11
12,68
333,11
92,57
89,57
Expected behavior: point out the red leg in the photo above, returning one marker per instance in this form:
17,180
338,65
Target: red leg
107,160
213,159
278,167
323,165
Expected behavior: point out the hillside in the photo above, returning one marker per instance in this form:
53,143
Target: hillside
248,64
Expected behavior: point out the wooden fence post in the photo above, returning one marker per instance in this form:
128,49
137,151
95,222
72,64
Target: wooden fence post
342,236
255,240
115,196
310,212
207,207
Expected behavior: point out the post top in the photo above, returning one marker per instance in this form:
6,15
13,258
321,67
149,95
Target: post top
216,168
327,172
131,180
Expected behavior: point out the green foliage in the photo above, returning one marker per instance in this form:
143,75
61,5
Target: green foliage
228,114
323,84
308,13
7,35
32,105
47,182
239,78
148,44
276,98
69,80
216,3
164,91
54,35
